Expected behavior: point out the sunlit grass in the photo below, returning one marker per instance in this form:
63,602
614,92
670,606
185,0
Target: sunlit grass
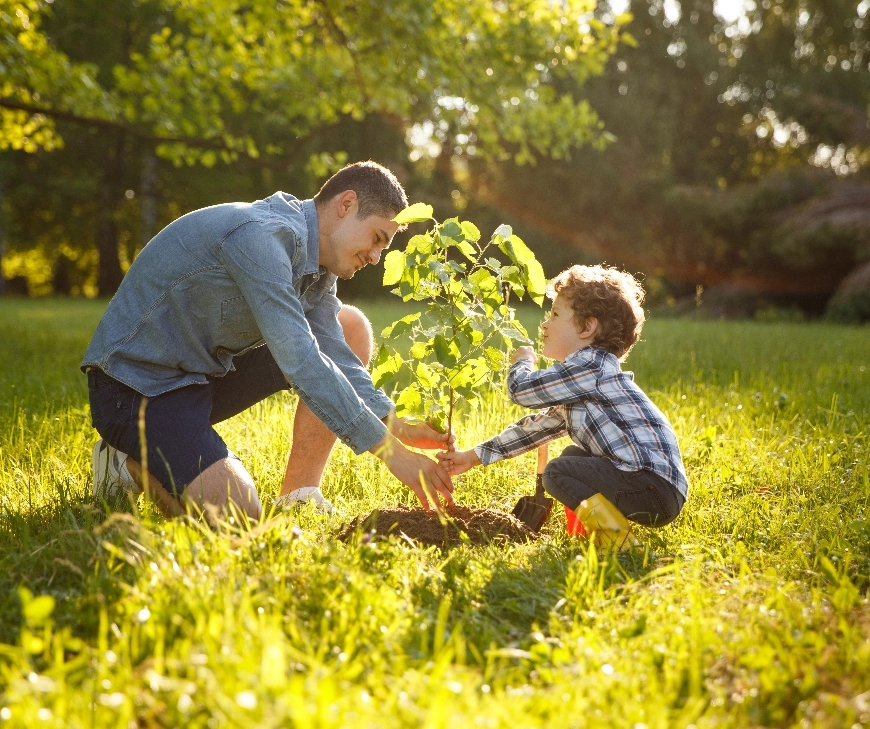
750,610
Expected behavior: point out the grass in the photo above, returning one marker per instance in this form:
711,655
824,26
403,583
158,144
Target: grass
750,610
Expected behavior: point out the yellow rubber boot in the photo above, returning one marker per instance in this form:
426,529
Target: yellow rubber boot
610,527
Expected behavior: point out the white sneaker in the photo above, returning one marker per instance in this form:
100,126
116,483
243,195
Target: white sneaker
306,493
111,477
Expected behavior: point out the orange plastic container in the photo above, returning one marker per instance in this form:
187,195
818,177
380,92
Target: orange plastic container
574,526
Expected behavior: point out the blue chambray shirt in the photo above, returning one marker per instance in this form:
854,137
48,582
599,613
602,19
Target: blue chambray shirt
223,279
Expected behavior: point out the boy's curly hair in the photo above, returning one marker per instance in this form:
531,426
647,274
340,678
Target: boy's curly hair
613,297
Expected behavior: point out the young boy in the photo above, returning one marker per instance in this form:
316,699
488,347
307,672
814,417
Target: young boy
625,463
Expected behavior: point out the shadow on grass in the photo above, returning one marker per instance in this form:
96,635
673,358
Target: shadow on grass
68,549
503,593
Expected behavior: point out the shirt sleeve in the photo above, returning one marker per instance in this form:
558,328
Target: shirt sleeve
260,265
524,435
323,320
559,384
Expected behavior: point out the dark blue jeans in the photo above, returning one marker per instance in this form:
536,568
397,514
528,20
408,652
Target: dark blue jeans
642,496
181,442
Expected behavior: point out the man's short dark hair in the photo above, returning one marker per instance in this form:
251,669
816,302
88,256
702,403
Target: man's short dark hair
377,189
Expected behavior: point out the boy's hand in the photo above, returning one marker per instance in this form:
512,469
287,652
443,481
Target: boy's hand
524,353
458,461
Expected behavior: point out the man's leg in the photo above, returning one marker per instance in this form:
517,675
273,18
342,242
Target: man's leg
182,447
223,487
312,440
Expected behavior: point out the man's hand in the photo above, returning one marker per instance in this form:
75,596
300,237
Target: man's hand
458,461
422,475
524,353
420,435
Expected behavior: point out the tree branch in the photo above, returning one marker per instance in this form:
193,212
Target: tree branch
121,126
345,41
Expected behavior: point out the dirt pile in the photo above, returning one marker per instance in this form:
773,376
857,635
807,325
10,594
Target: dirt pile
480,525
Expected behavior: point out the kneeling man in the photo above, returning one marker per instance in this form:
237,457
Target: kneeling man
228,305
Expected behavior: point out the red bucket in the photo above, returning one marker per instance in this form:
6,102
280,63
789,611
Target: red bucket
574,526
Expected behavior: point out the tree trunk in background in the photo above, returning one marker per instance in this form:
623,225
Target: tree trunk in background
109,273
149,196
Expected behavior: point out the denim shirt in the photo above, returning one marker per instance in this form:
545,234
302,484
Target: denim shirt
221,280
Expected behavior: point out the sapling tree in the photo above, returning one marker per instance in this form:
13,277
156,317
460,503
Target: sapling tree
458,340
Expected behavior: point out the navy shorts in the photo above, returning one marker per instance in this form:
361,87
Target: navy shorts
179,435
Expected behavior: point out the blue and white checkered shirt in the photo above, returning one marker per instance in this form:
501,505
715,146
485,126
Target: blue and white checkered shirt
589,398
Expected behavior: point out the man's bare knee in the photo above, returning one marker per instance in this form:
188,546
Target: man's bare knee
224,486
357,332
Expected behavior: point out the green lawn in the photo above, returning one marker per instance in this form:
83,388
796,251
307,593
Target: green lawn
750,610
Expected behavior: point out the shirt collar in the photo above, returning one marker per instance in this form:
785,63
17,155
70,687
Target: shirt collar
312,250
578,352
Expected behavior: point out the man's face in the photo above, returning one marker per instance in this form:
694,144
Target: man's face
353,243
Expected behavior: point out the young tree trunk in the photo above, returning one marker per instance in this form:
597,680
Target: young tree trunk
109,273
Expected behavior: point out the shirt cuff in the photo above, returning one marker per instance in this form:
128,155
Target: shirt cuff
380,405
486,453
363,433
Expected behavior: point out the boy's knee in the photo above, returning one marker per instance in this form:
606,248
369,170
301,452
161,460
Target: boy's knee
551,473
357,332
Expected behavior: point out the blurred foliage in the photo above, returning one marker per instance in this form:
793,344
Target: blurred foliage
254,84
728,136
740,157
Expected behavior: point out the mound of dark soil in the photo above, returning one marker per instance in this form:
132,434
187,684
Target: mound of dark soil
480,525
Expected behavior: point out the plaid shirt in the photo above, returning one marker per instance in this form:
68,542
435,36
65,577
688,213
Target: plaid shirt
600,407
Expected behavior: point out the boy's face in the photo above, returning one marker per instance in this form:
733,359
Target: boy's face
562,335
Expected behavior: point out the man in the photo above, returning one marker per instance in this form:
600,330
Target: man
228,305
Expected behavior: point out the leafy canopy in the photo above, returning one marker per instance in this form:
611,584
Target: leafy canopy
216,79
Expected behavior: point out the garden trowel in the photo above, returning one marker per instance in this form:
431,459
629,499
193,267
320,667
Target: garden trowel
534,510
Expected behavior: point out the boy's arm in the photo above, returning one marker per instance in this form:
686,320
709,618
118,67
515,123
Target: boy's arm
561,383
523,436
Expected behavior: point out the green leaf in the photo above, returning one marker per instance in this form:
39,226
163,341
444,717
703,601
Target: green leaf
422,244
512,276
483,281
503,231
425,376
486,285
400,327
446,351
536,282
438,420
419,350
472,334
470,231
450,229
416,213
386,367
36,610
495,358
394,266
410,402
467,250
530,270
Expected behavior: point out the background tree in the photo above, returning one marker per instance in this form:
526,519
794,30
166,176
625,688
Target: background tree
729,135
251,83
